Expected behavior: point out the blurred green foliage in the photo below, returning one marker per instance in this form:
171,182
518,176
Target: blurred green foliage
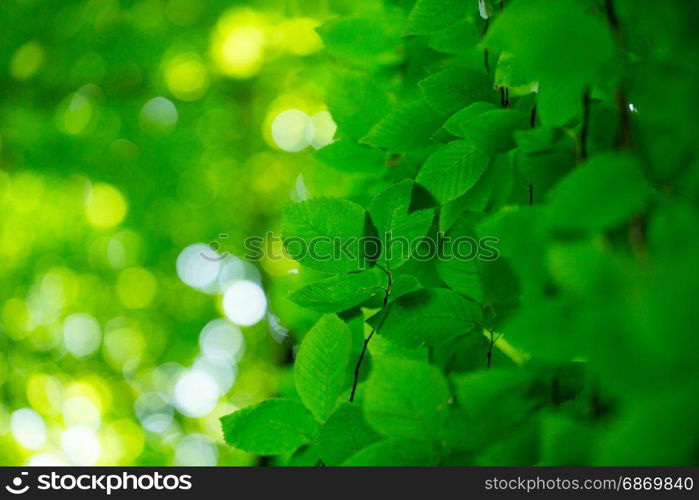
130,130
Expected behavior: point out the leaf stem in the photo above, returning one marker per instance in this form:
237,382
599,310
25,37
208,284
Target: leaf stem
491,345
490,349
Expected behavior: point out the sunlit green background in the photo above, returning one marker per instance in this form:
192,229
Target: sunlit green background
135,137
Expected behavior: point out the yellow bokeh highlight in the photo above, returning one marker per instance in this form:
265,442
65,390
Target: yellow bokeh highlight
105,206
238,43
81,410
123,345
15,318
286,102
26,192
45,394
298,36
122,442
272,173
187,77
87,389
60,286
136,287
75,113
276,261
26,61
211,424
324,128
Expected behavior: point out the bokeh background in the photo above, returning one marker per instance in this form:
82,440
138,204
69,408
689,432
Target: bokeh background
141,141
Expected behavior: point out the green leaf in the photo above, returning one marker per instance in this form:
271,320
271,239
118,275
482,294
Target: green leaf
488,192
363,40
356,102
565,441
491,131
494,405
456,123
454,87
348,156
672,221
406,399
305,456
458,266
478,392
341,292
272,427
465,354
395,453
458,38
543,140
426,317
429,16
402,285
522,238
602,194
321,363
410,126
382,349
325,233
452,170
537,331
344,434
398,229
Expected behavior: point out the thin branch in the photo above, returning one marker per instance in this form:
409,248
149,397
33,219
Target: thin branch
532,124
358,366
612,17
624,138
585,124
504,97
486,60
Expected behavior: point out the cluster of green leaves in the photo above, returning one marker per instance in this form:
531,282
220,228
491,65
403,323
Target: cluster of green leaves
559,127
